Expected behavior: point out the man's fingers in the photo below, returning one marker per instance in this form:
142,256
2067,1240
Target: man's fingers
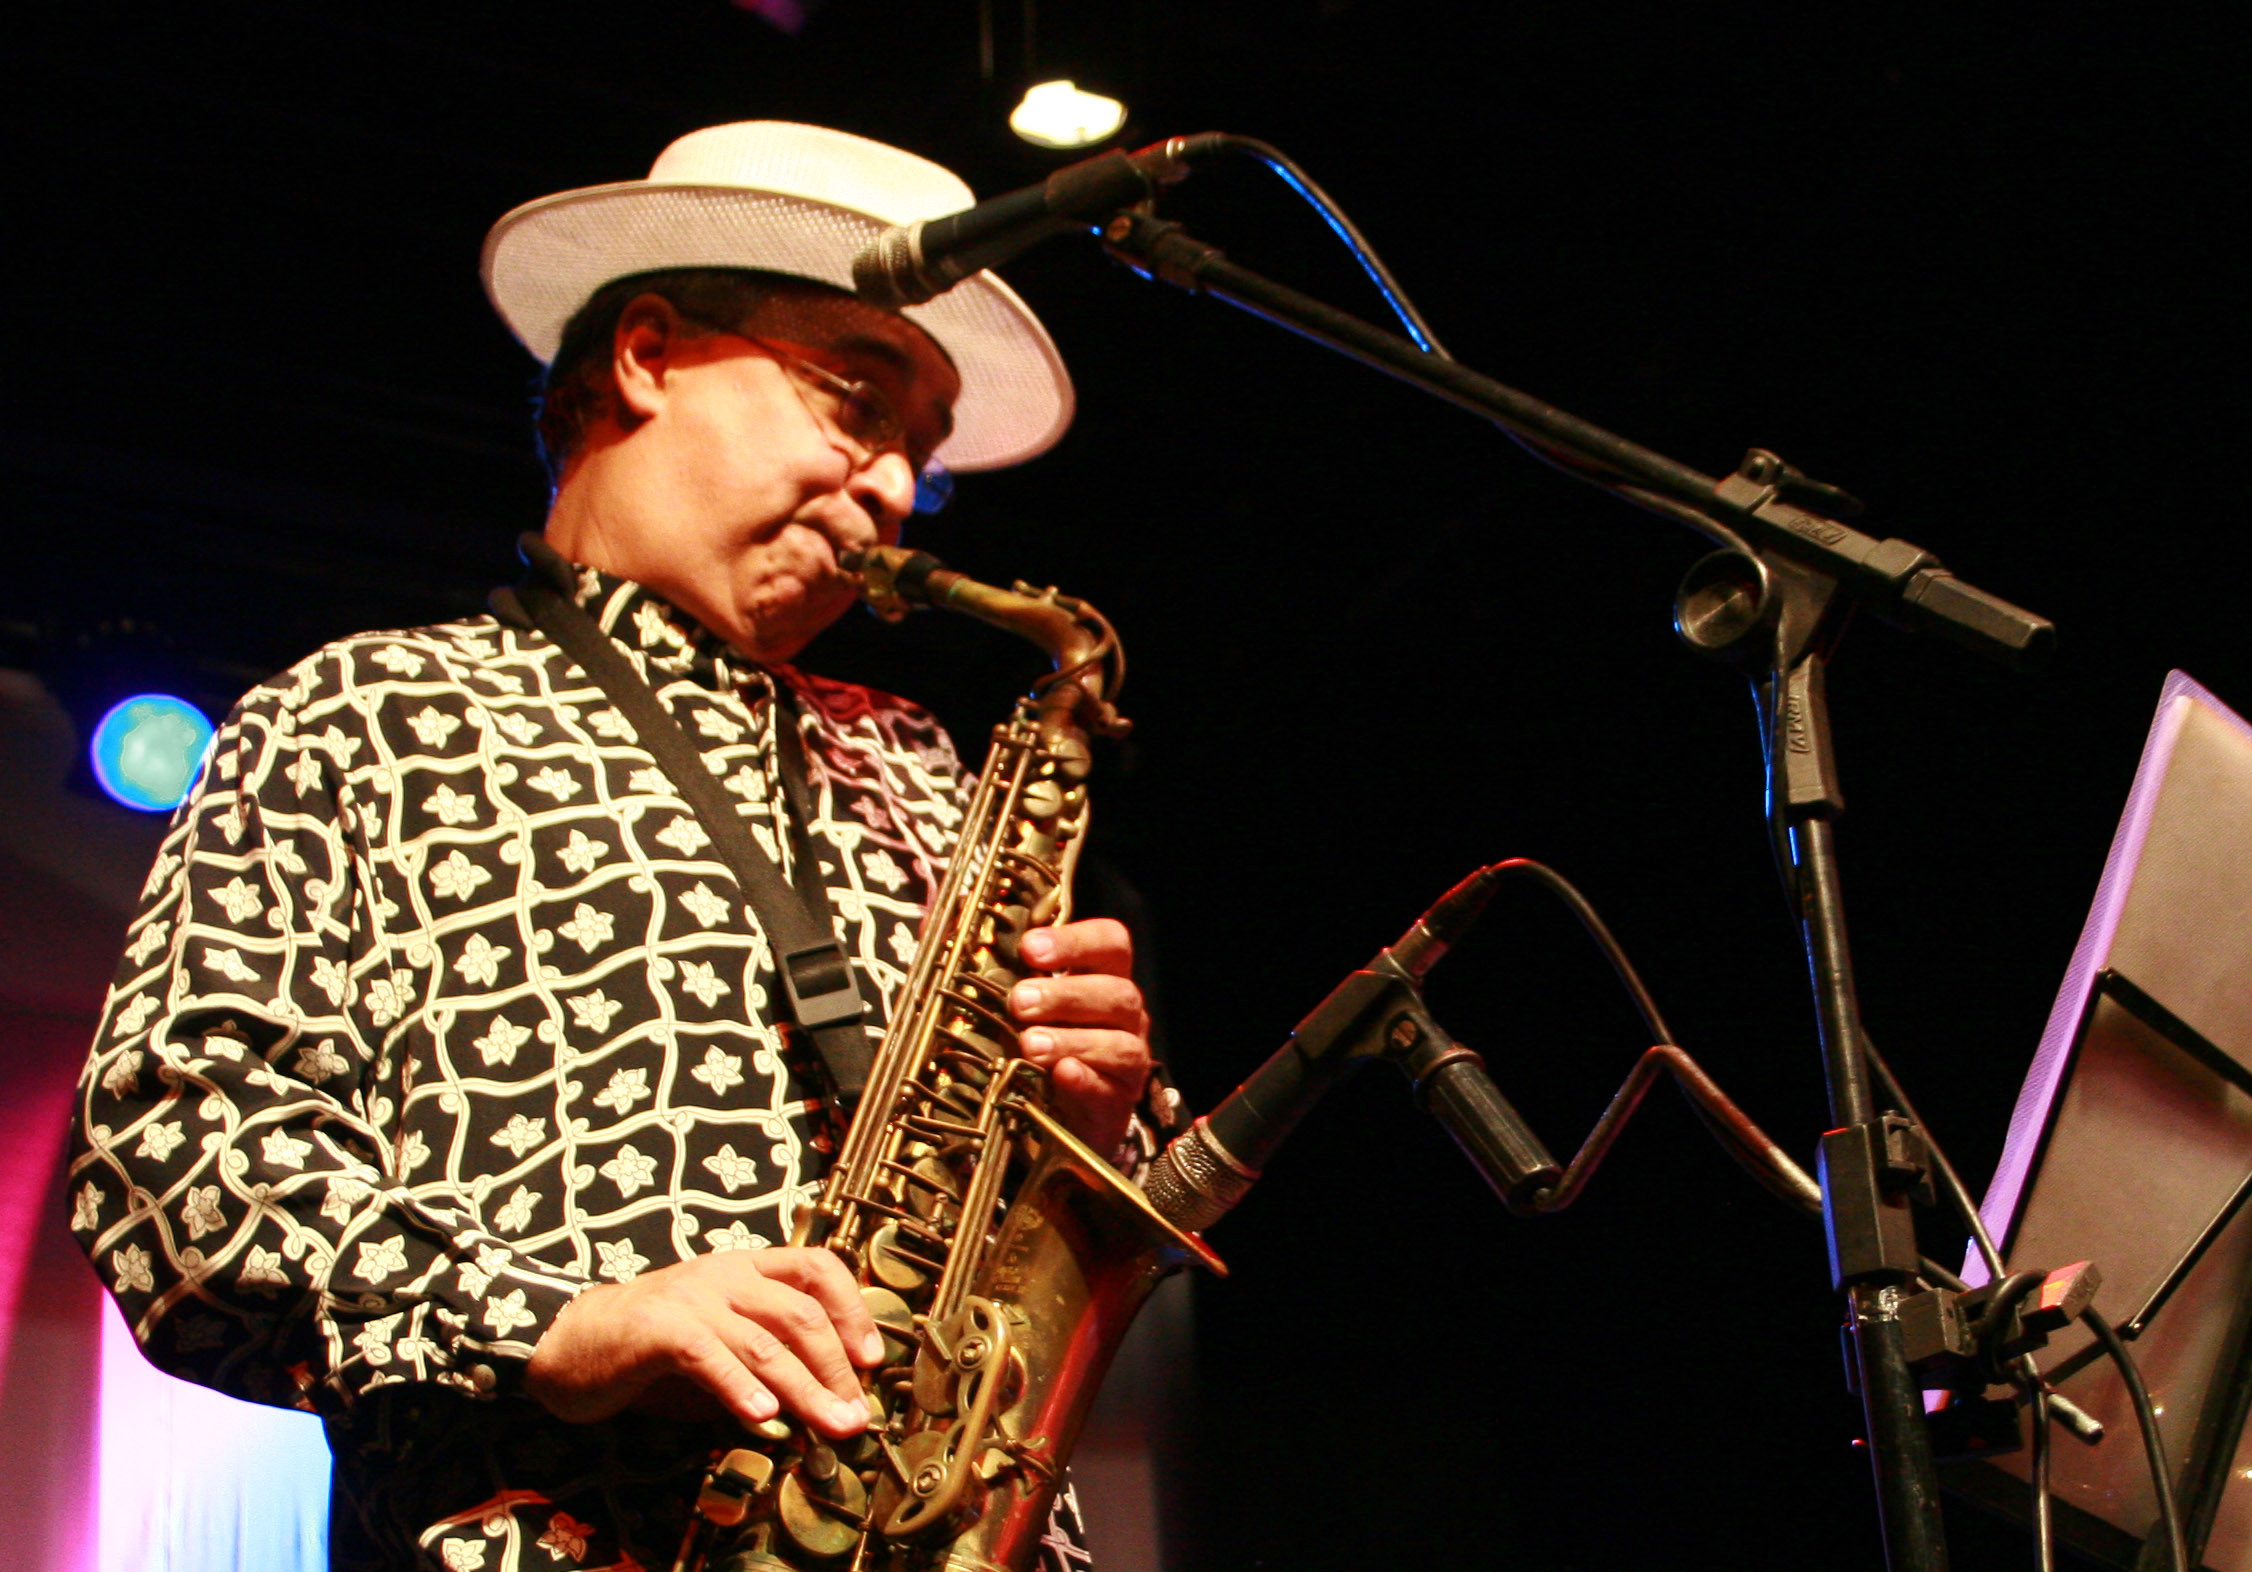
1093,1106
708,1361
1116,1055
1086,1025
776,1363
1098,944
1085,1000
1098,1077
763,1331
821,1275
1087,1089
799,1323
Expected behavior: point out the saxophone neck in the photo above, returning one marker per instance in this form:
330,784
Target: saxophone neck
1065,706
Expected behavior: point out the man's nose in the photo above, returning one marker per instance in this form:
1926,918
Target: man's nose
885,488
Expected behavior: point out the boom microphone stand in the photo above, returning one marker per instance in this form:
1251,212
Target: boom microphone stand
1774,600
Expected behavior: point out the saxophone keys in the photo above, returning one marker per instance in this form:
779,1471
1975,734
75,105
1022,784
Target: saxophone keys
822,1518
892,1269
937,1485
731,1487
934,1381
893,1319
939,1192
750,1560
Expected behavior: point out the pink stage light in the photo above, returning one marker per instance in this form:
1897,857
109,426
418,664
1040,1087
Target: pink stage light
192,1481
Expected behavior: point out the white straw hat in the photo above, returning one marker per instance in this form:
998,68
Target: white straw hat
789,199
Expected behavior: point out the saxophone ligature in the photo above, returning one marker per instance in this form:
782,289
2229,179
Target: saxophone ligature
1001,1257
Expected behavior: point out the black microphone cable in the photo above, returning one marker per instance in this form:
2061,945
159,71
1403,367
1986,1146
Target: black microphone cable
2154,1444
1345,229
1395,296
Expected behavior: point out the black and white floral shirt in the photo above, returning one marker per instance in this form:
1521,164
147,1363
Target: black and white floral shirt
439,1008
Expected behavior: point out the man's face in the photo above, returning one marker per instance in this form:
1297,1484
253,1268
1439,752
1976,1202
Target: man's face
736,479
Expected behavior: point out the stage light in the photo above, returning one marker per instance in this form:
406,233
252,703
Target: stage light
1058,114
146,751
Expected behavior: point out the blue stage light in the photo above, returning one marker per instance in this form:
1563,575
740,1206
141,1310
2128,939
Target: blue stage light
148,749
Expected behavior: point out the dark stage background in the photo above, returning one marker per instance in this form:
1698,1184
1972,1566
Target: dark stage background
1965,264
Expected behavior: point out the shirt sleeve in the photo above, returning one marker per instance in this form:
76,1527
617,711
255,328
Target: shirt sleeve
236,1176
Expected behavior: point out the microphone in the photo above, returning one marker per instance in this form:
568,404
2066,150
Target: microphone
1375,1012
1435,932
910,263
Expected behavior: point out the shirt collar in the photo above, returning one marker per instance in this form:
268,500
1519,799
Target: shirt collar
671,641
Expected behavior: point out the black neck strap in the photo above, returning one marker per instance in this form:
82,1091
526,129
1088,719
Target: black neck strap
817,978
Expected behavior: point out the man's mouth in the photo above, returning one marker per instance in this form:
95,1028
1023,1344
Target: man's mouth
831,539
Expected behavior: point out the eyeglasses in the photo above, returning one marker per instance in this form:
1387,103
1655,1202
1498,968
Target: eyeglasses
864,415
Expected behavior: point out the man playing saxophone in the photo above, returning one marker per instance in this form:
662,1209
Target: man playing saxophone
447,1087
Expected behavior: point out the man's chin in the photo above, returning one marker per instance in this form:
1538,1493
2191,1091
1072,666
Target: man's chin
778,633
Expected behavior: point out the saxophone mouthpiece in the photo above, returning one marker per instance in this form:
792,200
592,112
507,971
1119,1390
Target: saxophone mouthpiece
892,578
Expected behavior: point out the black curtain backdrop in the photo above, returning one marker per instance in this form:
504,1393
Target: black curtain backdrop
1964,262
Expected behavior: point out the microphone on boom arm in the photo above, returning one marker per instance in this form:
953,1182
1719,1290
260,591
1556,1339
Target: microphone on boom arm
910,263
1376,1012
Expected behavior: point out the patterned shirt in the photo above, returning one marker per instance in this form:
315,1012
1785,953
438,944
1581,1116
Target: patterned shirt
439,1009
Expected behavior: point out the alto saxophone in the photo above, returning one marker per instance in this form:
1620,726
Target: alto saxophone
1001,1258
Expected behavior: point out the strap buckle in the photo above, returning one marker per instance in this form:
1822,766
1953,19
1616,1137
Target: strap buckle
818,980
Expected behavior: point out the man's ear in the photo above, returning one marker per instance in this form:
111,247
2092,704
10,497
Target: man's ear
641,351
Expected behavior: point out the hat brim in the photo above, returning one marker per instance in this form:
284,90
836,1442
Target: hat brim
543,260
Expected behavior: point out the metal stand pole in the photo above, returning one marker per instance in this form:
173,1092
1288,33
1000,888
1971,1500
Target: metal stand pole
1869,1165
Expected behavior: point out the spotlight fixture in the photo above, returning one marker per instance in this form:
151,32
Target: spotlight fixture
147,750
1060,114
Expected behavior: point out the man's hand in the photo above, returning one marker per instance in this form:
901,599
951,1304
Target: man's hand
1084,1023
762,1331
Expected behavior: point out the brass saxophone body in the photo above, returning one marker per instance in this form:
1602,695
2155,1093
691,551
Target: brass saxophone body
1001,1257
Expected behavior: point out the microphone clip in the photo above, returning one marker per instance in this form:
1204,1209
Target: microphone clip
1159,249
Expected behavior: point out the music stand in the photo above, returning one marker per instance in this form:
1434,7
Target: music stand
2131,1145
